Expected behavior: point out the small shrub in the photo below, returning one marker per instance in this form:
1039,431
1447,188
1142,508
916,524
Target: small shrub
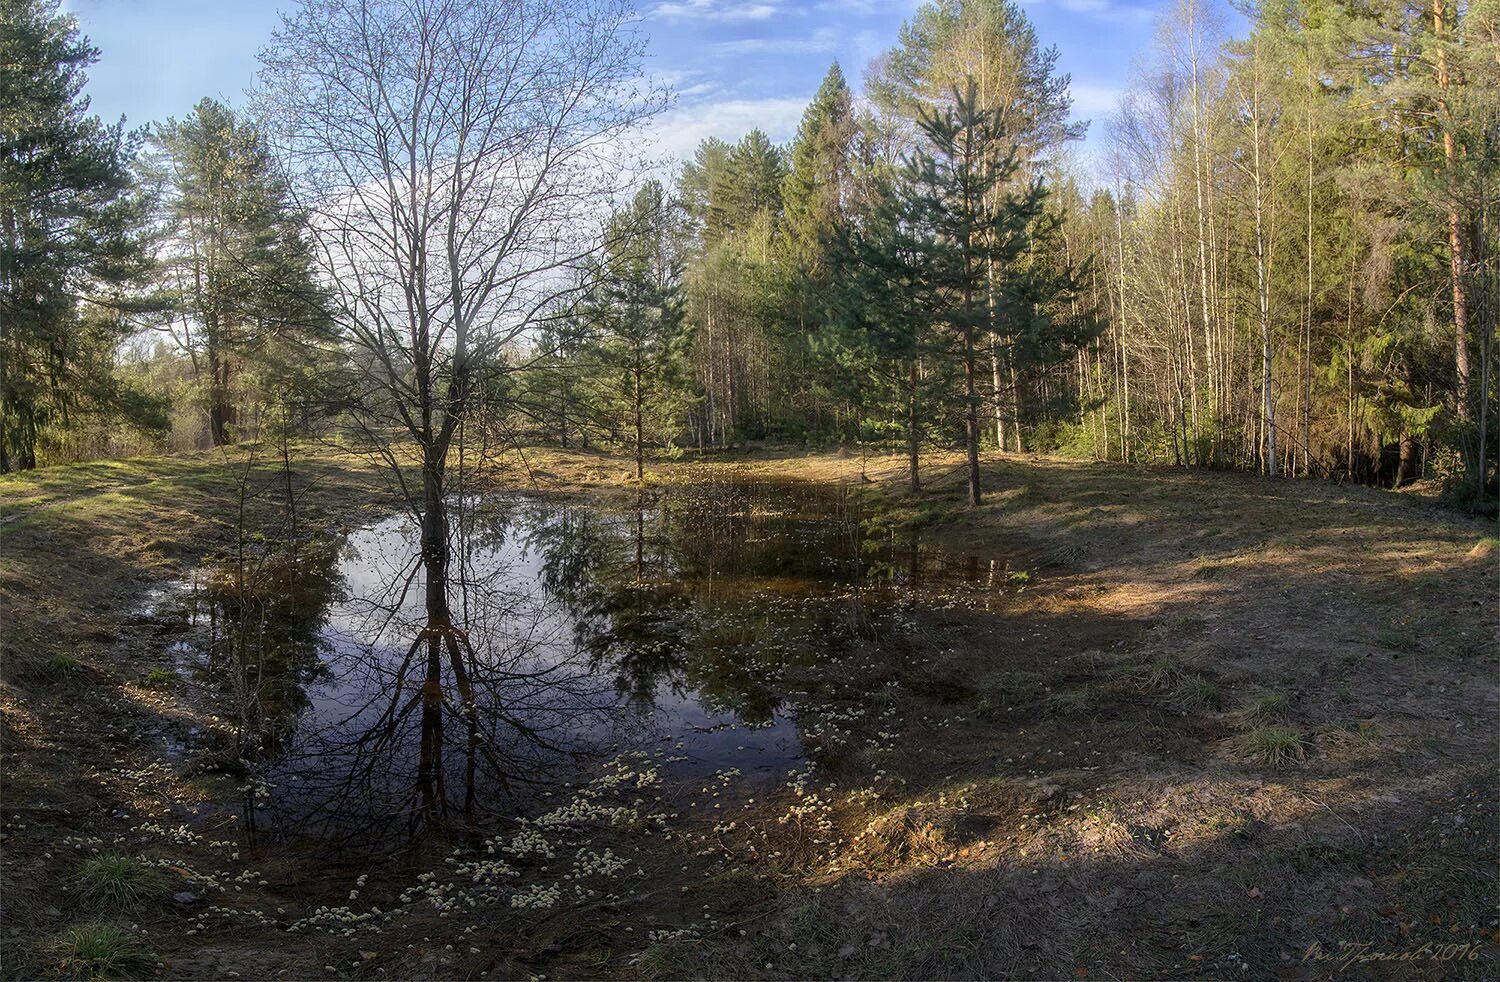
1275,746
103,951
1018,577
112,880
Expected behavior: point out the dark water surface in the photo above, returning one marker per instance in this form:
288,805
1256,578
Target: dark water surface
686,628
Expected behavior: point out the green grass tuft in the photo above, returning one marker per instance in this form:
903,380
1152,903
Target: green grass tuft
1268,709
1397,639
63,668
112,880
1158,675
1195,693
1275,746
1065,702
104,951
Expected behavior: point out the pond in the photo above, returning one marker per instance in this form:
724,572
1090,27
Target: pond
693,627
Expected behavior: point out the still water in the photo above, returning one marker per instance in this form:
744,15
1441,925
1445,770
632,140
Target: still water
692,627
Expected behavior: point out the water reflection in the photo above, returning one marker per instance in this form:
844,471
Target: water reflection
675,626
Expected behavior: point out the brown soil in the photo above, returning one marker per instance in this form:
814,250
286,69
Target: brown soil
1074,781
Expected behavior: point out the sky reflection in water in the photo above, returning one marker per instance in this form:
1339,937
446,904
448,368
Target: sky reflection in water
687,628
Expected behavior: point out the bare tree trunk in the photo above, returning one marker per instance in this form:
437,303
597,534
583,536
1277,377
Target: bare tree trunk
1304,363
220,409
1015,400
1457,248
1484,405
1263,288
1349,459
435,539
997,401
971,410
1123,351
1406,468
639,441
913,431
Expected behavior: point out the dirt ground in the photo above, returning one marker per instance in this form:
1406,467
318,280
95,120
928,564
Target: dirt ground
1219,727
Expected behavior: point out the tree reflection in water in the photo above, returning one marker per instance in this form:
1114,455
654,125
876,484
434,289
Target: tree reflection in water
574,630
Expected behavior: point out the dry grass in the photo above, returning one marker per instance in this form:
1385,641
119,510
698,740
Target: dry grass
1274,746
1057,800
1266,710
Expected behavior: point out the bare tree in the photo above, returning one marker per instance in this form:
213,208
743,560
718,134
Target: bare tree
456,157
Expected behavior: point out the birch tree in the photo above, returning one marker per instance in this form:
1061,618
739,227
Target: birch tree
454,156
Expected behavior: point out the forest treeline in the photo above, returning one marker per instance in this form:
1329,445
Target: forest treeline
1282,258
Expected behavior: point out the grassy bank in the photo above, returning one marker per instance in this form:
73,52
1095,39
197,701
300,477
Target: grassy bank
1205,726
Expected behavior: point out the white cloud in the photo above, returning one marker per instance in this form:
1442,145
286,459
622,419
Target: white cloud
1103,10
677,133
726,11
1092,100
823,39
865,6
686,84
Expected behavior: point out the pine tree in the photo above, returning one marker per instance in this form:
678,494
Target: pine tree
70,244
732,197
975,225
636,315
752,183
236,259
949,43
879,312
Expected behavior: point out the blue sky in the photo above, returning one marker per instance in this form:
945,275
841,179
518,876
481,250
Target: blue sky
734,63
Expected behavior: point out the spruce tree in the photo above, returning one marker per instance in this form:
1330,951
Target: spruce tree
817,183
